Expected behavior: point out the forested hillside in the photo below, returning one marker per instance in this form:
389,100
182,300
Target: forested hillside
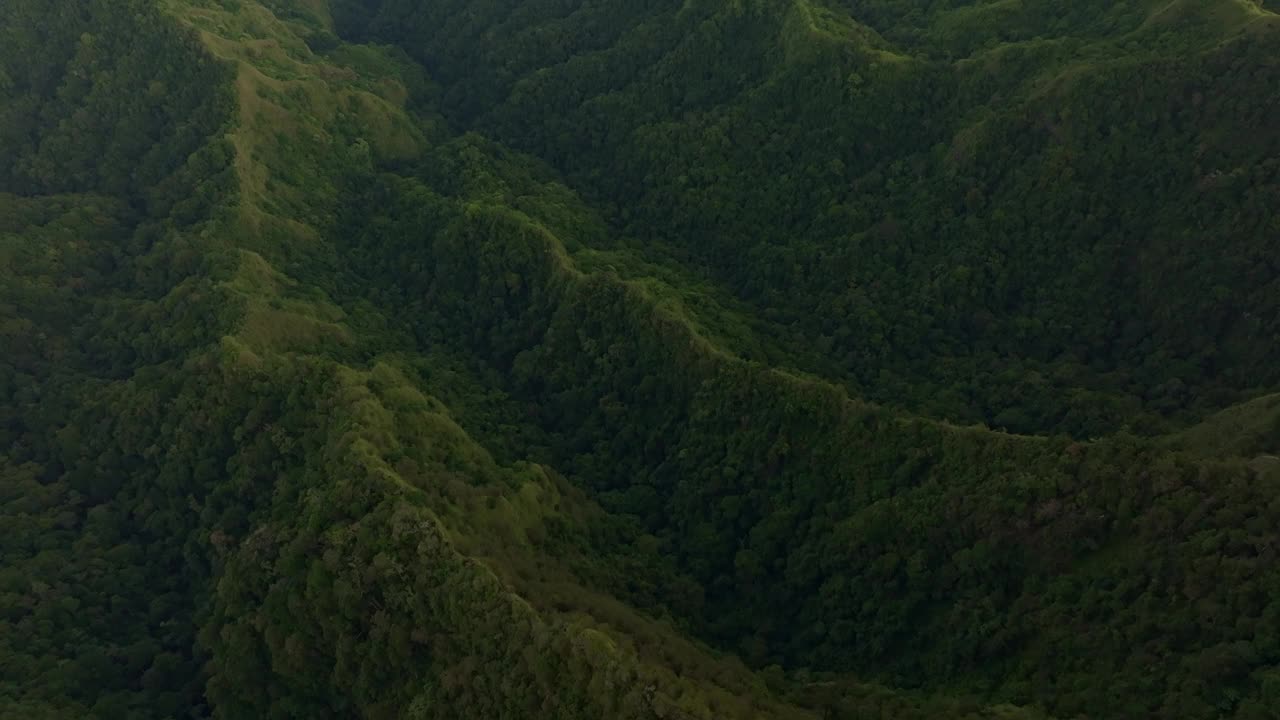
1045,217
644,359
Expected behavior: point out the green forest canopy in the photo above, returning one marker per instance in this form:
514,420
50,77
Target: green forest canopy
639,359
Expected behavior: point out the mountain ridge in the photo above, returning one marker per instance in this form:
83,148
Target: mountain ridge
635,500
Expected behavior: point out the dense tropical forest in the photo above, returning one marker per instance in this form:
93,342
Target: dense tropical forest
645,359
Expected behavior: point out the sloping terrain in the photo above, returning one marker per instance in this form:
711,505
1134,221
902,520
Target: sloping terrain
1037,233
600,359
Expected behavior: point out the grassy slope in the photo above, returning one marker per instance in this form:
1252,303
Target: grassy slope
1246,430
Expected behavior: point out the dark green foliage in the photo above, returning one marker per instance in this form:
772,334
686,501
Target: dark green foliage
1066,233
605,357
825,533
355,603
100,96
98,305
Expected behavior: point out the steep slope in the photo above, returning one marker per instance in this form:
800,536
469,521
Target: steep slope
117,105
1038,234
927,553
394,421
825,533
219,501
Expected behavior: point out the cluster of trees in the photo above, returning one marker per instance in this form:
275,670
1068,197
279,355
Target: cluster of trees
1063,231
200,525
815,531
194,527
103,97
107,118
